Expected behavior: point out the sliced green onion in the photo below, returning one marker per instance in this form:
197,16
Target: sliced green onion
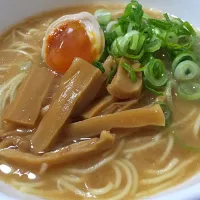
128,40
147,31
190,28
134,42
134,57
176,21
189,91
123,46
111,25
155,73
167,112
109,38
161,34
158,93
136,36
133,13
145,60
182,57
171,38
99,65
153,46
130,27
114,48
141,69
166,16
130,71
123,52
119,31
186,71
112,73
160,24
140,43
184,43
156,31
103,16
104,55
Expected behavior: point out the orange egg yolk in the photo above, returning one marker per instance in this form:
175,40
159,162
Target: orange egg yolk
68,41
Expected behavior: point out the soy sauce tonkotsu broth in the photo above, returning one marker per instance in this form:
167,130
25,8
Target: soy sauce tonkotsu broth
127,153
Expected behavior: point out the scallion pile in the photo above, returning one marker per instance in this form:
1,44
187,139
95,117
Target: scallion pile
137,36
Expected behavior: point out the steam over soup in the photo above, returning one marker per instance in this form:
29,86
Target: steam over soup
99,102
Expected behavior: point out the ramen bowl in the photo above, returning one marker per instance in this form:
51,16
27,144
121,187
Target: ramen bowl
15,11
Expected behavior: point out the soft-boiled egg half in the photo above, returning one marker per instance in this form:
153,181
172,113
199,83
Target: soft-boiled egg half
76,35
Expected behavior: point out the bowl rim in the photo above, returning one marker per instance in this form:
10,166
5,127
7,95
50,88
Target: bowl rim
191,192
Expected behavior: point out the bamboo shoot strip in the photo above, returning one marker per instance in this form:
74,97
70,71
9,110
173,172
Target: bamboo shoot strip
25,108
74,93
68,154
135,118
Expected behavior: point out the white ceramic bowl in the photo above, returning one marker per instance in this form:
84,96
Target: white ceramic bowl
13,11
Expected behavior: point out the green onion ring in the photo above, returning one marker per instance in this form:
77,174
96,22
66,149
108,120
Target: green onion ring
167,112
186,71
181,57
171,38
103,16
152,90
155,73
189,91
130,71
